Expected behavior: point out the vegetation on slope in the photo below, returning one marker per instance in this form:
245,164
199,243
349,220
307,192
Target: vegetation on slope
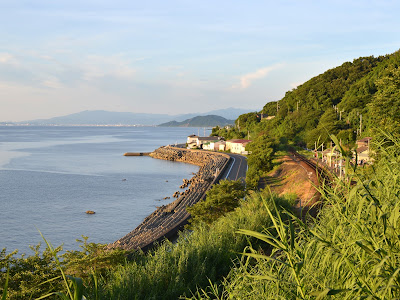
364,91
352,251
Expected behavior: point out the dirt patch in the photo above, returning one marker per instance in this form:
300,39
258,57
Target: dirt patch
293,177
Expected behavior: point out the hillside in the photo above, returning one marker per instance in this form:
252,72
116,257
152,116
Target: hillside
200,121
350,101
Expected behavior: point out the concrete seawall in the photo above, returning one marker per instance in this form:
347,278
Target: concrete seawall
167,220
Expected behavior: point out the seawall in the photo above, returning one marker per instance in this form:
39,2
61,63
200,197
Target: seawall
167,220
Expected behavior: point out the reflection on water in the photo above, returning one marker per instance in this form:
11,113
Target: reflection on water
50,176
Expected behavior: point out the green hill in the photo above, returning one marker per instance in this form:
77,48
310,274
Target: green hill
351,101
200,121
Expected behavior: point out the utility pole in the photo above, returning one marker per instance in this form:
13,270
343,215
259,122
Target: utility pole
315,148
360,124
277,106
340,114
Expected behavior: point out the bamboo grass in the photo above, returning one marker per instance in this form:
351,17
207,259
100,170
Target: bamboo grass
350,251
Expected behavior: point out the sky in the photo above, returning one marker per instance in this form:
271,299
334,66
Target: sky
59,57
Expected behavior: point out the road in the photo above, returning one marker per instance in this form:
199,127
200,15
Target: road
237,168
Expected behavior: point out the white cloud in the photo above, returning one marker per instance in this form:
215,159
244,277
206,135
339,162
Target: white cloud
246,80
96,66
52,83
7,58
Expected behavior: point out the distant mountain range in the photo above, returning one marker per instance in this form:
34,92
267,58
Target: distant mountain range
200,121
101,117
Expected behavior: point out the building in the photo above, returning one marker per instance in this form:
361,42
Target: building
364,142
362,151
330,156
206,140
220,146
192,139
237,146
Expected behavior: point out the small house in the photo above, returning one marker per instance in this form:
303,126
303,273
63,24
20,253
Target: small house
330,156
237,145
192,139
220,146
362,151
201,141
364,142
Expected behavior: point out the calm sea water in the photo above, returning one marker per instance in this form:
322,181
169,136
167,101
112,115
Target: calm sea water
49,177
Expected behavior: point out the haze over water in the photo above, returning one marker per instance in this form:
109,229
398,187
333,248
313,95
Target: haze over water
49,177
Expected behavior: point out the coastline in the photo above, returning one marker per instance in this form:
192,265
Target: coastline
167,220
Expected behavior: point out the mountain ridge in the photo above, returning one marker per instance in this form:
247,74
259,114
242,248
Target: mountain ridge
102,117
200,121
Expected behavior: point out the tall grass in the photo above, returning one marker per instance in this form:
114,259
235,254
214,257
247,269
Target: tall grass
351,251
200,257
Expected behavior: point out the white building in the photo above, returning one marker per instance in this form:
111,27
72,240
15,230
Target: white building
237,146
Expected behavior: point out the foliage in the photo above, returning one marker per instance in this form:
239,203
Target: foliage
261,151
29,275
93,258
221,199
205,255
330,103
385,109
351,251
229,133
43,273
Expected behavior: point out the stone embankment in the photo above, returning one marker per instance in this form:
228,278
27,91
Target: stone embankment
167,220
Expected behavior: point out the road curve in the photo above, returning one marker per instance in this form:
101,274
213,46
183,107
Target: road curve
237,168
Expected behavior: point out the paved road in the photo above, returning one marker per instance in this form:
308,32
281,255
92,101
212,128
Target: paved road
237,168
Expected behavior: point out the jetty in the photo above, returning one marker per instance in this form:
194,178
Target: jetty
137,154
167,220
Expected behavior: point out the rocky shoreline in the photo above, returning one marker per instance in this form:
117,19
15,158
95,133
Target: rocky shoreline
167,220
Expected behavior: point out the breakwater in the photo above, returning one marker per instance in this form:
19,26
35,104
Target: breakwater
137,154
167,220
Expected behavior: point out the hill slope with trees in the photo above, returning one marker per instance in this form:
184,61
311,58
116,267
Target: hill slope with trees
350,101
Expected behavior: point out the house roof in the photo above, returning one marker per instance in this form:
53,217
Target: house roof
192,136
362,149
366,139
329,150
208,138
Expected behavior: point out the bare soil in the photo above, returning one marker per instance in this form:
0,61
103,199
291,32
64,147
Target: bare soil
292,176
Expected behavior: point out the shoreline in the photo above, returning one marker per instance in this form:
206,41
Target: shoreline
166,221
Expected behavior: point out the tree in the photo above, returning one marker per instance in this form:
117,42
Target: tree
221,199
384,110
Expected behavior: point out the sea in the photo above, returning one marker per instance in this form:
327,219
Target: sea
50,176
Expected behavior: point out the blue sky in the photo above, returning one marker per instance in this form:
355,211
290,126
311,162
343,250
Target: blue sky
59,57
